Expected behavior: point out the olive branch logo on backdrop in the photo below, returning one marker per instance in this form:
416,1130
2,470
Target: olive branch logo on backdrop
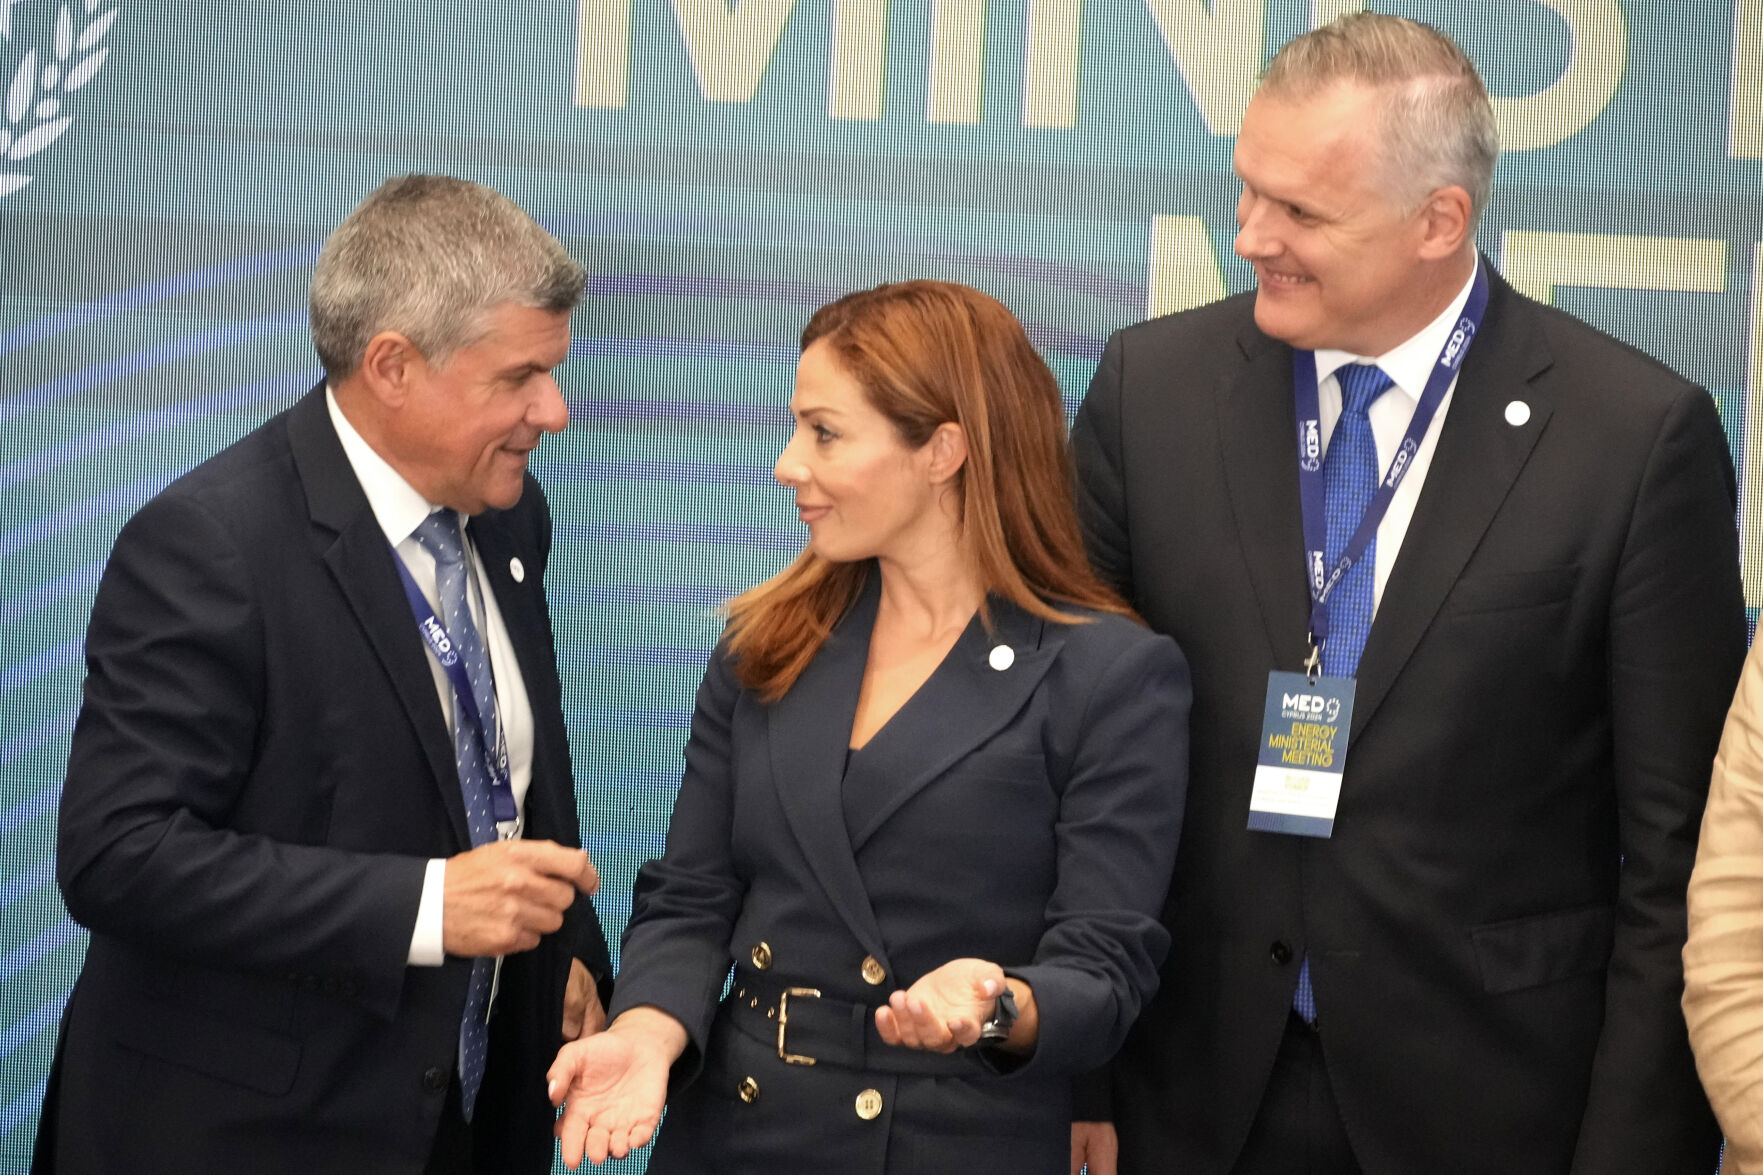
41,79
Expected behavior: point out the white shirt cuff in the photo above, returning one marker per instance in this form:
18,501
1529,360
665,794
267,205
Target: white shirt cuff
426,944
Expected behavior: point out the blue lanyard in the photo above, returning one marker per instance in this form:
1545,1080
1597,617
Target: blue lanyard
435,636
1312,487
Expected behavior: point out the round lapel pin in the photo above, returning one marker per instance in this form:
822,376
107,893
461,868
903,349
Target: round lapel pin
1002,658
1517,413
518,570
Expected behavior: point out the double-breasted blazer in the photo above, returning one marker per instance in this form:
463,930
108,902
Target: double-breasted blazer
1493,929
1022,808
260,770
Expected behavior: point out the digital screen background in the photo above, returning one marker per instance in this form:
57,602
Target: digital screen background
721,174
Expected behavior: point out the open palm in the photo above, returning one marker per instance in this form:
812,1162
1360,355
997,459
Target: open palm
612,1088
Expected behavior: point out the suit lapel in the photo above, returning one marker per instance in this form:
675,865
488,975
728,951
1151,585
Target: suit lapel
1257,424
522,604
354,548
809,729
1478,457
962,704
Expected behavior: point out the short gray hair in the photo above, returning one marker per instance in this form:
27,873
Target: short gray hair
428,256
1437,122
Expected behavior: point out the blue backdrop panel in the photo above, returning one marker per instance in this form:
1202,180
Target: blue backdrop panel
168,171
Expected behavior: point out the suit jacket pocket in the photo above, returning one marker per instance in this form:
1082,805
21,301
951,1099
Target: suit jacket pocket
227,1050
1514,589
1544,948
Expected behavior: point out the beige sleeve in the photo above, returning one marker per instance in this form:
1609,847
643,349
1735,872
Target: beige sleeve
1723,958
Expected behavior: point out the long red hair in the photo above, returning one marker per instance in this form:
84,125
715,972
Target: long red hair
927,353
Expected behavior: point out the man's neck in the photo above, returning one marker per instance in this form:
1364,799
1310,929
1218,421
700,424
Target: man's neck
1420,305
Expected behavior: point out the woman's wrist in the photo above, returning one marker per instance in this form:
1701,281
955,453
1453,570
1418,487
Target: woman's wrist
649,1027
1027,1029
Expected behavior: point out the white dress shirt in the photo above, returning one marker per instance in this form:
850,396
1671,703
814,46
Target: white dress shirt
400,510
1409,366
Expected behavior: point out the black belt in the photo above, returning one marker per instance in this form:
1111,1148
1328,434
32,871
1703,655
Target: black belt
807,1028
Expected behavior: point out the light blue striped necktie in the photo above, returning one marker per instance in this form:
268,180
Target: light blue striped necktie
1350,475
439,535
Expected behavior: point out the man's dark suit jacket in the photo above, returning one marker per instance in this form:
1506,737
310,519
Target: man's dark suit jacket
1024,812
260,771
1494,928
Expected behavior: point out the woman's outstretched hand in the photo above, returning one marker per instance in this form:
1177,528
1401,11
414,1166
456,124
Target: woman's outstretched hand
612,1086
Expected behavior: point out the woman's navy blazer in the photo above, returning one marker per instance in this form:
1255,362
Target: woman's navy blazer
1022,808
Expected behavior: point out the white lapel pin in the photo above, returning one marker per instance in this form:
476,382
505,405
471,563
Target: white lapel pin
1517,413
1002,658
518,569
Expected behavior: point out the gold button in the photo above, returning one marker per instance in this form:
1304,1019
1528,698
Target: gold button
872,971
868,1104
748,1089
761,956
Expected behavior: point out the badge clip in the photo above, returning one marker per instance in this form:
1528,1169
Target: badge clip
1313,663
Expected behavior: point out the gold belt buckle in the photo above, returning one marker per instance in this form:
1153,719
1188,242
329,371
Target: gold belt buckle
783,1022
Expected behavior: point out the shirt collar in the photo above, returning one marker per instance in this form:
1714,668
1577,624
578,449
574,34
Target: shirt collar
1408,364
397,506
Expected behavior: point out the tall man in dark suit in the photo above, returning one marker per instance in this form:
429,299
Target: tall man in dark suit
1475,966
319,812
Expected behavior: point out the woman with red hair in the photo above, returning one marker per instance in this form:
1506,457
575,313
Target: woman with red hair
931,801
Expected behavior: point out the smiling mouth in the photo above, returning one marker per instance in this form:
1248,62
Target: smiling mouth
812,513
1270,277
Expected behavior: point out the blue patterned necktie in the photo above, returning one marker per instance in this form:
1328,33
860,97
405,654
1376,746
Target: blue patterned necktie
439,535
1350,475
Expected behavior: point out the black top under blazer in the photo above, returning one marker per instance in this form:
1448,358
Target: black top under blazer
1027,815
260,772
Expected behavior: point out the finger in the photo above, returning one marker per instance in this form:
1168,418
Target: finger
618,1144
597,1148
594,1019
537,918
571,1142
904,1022
572,866
541,892
641,1133
964,1032
562,1073
932,1032
886,1026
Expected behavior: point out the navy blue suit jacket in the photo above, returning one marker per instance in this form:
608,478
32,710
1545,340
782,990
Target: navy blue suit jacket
260,770
1026,815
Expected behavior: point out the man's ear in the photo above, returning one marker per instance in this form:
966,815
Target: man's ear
948,451
1446,216
390,366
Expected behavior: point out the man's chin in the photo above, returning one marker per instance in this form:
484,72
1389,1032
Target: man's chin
1278,319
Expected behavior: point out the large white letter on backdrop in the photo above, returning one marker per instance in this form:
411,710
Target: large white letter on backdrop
1744,125
957,60
1597,58
857,79
602,53
731,46
1184,270
1050,63
1217,48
